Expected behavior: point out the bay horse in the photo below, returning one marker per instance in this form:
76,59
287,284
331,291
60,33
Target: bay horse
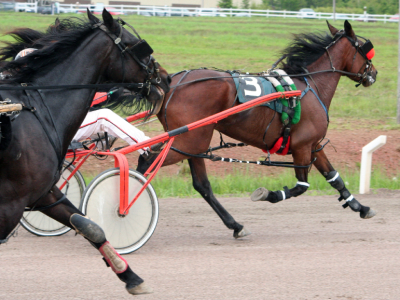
56,85
335,54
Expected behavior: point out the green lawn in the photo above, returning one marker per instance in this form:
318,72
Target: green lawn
253,44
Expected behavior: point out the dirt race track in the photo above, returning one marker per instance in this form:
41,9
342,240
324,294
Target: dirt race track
305,248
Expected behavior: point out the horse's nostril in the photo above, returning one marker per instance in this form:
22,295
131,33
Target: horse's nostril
169,79
376,72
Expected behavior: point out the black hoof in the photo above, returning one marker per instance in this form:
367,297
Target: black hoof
242,233
262,194
237,230
366,212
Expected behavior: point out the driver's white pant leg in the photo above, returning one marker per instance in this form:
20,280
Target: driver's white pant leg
105,120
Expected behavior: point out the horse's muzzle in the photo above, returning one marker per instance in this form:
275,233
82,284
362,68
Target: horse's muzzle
370,79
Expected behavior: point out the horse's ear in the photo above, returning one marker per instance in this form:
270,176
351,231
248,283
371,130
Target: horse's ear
91,17
349,30
332,29
108,20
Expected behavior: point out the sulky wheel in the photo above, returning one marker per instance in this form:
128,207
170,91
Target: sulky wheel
101,204
42,225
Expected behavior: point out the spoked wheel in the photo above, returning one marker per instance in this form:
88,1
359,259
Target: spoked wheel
101,203
40,224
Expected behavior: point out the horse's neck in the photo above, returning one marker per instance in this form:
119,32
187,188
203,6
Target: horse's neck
69,107
326,82
81,67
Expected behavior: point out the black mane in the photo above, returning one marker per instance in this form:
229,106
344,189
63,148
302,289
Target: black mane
24,37
53,47
304,50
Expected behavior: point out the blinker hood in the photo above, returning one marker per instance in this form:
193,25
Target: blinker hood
142,50
368,50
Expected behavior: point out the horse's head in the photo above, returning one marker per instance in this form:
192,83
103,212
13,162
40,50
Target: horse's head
132,60
357,55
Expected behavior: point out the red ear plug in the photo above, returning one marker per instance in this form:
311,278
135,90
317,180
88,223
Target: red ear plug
371,54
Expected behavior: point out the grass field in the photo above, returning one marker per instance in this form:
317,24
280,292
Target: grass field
253,44
243,184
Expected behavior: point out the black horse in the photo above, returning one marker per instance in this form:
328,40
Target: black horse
84,56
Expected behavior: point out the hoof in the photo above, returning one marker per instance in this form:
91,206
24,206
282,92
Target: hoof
371,213
241,233
140,289
259,194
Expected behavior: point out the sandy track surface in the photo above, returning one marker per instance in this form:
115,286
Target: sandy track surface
305,248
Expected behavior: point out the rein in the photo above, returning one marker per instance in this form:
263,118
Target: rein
366,51
268,75
25,87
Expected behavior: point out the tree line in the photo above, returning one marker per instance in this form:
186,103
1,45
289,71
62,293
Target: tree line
389,7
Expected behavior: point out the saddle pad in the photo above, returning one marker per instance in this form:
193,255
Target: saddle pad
250,88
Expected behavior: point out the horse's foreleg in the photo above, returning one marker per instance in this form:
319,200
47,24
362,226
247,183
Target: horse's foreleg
300,158
67,214
203,186
333,178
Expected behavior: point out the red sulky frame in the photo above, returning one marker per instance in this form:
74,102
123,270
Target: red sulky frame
122,163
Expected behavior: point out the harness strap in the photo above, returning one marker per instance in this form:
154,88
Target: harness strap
309,88
56,149
63,198
173,91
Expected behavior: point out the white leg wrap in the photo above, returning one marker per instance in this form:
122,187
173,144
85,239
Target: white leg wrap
334,177
303,183
350,198
115,261
283,195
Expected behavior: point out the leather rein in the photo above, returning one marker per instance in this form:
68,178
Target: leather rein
339,35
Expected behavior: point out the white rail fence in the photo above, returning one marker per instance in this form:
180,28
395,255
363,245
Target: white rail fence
366,162
164,11
25,7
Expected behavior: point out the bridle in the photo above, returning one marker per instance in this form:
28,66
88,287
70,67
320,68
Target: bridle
139,52
367,52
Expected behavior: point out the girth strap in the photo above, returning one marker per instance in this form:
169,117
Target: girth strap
309,88
286,135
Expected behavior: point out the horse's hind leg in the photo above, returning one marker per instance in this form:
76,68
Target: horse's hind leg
301,157
10,214
333,178
67,214
203,186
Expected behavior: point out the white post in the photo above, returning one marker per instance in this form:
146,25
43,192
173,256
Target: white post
334,10
398,78
366,162
365,14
